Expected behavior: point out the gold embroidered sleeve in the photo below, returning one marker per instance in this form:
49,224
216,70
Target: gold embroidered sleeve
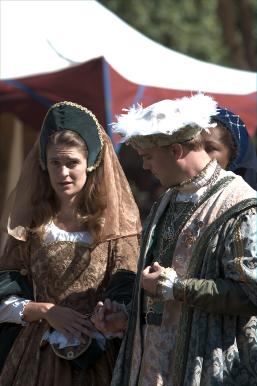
124,254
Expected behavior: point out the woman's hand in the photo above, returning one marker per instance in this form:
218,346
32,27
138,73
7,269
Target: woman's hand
110,316
65,320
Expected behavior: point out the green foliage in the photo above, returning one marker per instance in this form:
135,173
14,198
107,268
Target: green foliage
191,27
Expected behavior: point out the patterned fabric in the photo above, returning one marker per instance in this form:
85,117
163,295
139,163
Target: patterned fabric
11,309
208,332
220,332
67,274
246,158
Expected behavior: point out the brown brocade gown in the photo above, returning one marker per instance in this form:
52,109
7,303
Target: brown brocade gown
67,274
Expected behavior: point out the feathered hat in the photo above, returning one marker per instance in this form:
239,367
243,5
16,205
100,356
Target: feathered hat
165,122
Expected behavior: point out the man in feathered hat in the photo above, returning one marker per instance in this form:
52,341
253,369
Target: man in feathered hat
192,316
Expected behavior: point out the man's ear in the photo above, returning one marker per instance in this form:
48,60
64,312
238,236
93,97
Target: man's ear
176,150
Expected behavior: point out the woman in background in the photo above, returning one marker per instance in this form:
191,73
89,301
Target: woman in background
231,145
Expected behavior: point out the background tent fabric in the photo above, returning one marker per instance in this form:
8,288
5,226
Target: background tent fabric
55,35
102,89
80,51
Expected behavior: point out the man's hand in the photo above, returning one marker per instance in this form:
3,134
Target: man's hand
150,277
110,317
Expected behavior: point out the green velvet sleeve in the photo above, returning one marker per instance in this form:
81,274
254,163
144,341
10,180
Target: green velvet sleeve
214,296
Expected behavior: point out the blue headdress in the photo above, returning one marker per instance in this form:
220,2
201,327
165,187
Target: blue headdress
246,159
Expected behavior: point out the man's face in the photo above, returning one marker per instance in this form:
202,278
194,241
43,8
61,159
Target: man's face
161,164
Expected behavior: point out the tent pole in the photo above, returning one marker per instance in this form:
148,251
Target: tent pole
16,156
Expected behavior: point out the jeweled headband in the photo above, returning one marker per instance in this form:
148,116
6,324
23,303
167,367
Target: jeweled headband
71,116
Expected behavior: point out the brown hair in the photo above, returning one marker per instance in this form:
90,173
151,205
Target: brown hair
92,200
195,143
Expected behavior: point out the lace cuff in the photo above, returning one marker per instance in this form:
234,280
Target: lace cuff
164,289
12,310
21,313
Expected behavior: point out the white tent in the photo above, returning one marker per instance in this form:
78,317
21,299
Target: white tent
77,50
43,36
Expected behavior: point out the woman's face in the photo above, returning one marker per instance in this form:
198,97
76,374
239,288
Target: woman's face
67,168
216,146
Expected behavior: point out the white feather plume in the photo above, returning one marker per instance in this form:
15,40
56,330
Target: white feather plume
166,117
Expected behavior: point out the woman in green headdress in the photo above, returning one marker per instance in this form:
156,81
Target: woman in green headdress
73,231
